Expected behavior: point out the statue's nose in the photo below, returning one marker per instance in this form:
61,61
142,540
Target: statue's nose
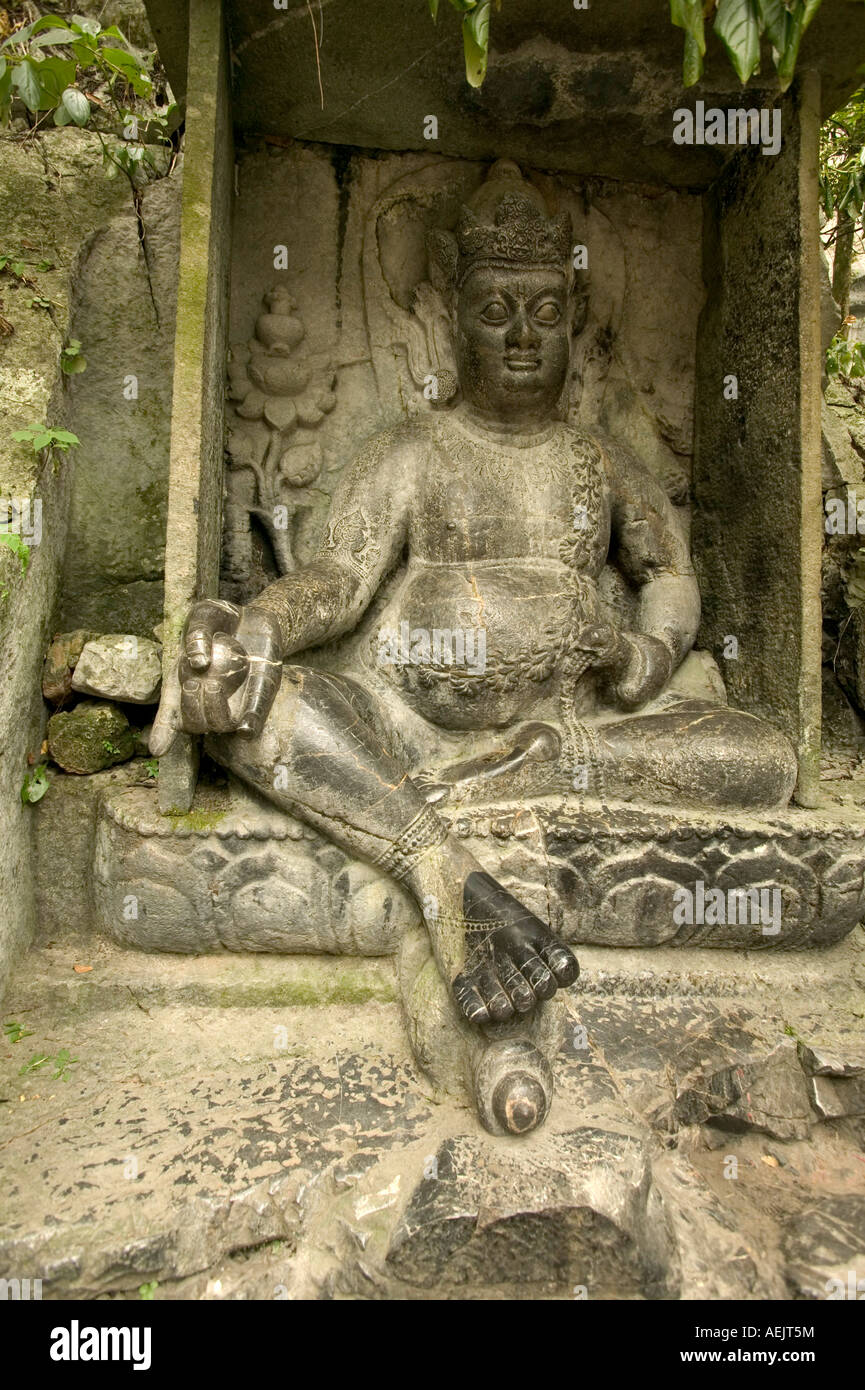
521,333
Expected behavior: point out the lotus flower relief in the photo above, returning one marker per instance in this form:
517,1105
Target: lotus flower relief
266,384
275,391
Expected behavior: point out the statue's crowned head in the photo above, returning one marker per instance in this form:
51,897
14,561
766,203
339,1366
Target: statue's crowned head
504,223
506,272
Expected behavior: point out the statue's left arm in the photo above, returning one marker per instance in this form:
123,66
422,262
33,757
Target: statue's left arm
650,546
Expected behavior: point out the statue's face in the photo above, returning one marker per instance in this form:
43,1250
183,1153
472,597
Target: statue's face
512,341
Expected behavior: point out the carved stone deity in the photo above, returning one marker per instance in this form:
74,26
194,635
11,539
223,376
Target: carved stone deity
472,547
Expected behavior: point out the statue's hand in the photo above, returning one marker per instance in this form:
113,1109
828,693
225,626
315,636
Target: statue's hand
226,676
645,667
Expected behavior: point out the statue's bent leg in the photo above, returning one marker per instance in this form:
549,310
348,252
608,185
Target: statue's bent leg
707,755
320,759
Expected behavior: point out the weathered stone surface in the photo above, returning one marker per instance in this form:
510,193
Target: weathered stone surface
193,538
769,1094
93,736
121,410
282,1154
586,1218
65,823
54,195
719,1260
234,874
118,667
768,434
824,1246
60,661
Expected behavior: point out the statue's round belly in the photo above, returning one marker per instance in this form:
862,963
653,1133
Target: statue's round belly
475,646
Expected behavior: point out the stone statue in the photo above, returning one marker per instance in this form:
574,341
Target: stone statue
473,544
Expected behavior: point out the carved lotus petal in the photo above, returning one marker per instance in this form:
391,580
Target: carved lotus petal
301,464
279,377
281,412
252,407
308,413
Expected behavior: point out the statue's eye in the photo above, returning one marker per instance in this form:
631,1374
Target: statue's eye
548,312
495,312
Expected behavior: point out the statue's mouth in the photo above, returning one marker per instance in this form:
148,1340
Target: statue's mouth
522,363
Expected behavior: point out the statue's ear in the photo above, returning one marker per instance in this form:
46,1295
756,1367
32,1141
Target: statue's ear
443,254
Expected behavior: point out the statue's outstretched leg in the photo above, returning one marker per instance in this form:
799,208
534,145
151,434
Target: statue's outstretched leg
320,759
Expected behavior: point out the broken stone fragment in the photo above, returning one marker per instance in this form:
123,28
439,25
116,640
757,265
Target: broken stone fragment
818,1062
60,661
120,667
769,1094
92,736
836,1097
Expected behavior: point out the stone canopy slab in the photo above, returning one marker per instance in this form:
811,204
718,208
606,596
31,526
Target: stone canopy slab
599,85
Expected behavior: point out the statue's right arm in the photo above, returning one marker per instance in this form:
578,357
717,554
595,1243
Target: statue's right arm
364,538
228,686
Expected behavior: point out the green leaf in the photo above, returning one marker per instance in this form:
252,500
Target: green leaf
36,1061
25,80
54,74
692,63
54,36
76,106
434,9
476,41
13,542
802,12
85,52
688,15
775,21
36,784
45,21
87,25
737,27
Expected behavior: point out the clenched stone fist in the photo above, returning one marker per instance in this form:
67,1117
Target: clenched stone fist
226,676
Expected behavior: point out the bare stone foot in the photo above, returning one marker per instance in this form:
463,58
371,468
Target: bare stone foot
513,960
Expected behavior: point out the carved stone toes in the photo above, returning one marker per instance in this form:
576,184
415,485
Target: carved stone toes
513,1087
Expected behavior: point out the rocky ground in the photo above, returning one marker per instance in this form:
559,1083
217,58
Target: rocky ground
253,1128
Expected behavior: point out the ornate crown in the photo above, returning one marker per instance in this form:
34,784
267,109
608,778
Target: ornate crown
504,223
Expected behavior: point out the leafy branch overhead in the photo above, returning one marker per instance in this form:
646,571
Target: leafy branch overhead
740,25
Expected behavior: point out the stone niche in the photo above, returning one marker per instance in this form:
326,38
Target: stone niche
703,264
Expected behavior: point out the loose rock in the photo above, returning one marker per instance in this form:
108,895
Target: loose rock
91,737
60,661
120,667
